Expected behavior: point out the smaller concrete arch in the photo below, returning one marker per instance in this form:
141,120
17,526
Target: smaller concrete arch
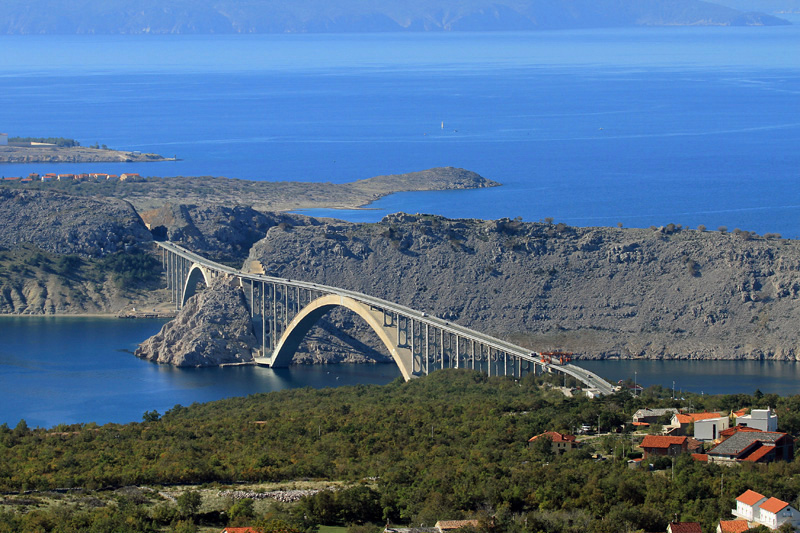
310,315
197,274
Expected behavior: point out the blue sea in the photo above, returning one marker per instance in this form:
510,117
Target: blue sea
645,126
639,127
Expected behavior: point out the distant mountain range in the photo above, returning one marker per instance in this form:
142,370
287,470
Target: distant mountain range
322,16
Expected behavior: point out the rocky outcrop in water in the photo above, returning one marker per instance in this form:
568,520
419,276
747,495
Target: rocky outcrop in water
212,329
664,292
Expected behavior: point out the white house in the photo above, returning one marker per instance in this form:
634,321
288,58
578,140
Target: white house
773,513
762,419
3,139
710,428
748,505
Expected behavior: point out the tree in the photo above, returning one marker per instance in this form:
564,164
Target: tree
189,503
723,229
21,428
151,416
241,512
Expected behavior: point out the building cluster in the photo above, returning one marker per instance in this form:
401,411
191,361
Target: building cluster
95,176
755,510
753,437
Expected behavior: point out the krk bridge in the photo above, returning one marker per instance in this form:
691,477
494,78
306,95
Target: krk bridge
284,310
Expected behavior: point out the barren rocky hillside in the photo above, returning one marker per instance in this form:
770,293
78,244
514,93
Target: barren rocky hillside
601,292
65,224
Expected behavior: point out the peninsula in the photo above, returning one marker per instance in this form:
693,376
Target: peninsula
48,153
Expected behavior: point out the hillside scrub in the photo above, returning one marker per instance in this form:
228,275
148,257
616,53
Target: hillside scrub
452,444
34,281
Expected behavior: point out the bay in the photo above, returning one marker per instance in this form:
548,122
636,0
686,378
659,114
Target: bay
68,370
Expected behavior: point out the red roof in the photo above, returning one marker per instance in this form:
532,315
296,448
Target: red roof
694,417
730,431
733,526
657,441
239,530
737,414
700,457
750,497
555,436
773,505
685,527
759,454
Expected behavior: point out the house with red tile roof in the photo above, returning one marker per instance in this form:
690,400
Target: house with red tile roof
709,424
732,526
748,504
753,446
658,445
239,530
773,513
684,527
561,441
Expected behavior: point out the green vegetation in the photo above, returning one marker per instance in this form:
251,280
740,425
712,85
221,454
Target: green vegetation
58,141
451,445
69,281
131,269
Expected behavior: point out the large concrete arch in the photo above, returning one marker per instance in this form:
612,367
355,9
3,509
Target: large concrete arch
310,315
196,274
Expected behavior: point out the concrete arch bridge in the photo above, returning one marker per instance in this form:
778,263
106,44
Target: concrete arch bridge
284,310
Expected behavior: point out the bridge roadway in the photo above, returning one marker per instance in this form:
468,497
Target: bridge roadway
590,379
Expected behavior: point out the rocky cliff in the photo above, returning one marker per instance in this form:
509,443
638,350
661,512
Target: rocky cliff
212,329
602,292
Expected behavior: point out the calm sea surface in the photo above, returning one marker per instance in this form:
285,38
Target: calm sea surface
68,370
640,127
